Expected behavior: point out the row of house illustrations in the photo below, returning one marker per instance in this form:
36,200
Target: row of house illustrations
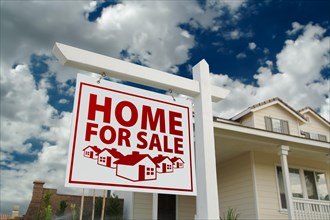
135,166
252,150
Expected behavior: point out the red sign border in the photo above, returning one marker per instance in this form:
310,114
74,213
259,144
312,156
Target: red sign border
127,185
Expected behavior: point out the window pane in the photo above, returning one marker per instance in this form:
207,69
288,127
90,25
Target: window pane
314,136
268,123
281,186
322,137
285,127
276,125
310,184
295,183
322,186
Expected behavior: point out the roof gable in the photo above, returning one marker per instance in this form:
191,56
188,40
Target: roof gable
93,148
270,102
113,152
133,159
161,158
175,159
315,114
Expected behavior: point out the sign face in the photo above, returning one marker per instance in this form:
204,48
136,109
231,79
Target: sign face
124,138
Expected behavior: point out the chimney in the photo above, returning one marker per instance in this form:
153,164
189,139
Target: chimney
38,188
15,212
135,153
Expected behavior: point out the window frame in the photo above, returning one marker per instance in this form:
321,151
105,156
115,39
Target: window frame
303,184
308,135
283,123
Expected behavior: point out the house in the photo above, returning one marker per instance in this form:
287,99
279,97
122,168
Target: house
107,157
136,167
164,163
177,162
253,150
91,152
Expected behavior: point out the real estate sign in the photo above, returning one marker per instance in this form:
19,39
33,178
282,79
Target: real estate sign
124,138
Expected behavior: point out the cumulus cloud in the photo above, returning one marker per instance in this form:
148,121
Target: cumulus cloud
241,55
299,81
24,109
252,45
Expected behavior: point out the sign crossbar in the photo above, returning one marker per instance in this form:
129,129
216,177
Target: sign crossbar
97,63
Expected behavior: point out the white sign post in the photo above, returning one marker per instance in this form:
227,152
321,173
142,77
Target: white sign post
200,89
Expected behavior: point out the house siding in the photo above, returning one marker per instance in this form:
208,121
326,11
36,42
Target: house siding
186,207
315,126
142,206
278,112
247,120
268,196
235,186
266,181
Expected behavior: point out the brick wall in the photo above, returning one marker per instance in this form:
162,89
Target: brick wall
36,207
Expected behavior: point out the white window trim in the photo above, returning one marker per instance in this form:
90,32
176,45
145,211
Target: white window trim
272,127
302,180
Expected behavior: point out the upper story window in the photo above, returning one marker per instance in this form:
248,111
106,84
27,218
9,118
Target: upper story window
306,184
314,136
277,125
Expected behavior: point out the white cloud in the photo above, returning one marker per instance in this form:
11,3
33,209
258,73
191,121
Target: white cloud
295,28
299,82
241,55
24,109
252,45
63,101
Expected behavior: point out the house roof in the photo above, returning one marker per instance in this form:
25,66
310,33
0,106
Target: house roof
133,159
268,103
174,159
310,110
94,148
113,152
160,158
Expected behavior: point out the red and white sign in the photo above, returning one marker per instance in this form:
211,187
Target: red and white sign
124,138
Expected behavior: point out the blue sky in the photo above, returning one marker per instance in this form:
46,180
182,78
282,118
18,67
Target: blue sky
256,49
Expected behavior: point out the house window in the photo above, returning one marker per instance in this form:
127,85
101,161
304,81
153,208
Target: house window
314,136
150,171
277,125
169,166
87,153
304,184
102,159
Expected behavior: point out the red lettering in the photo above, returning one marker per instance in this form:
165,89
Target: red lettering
90,131
111,137
178,145
93,107
166,149
147,118
119,114
123,136
174,121
141,137
155,142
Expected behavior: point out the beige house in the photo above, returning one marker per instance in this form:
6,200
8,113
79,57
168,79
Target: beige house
253,151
